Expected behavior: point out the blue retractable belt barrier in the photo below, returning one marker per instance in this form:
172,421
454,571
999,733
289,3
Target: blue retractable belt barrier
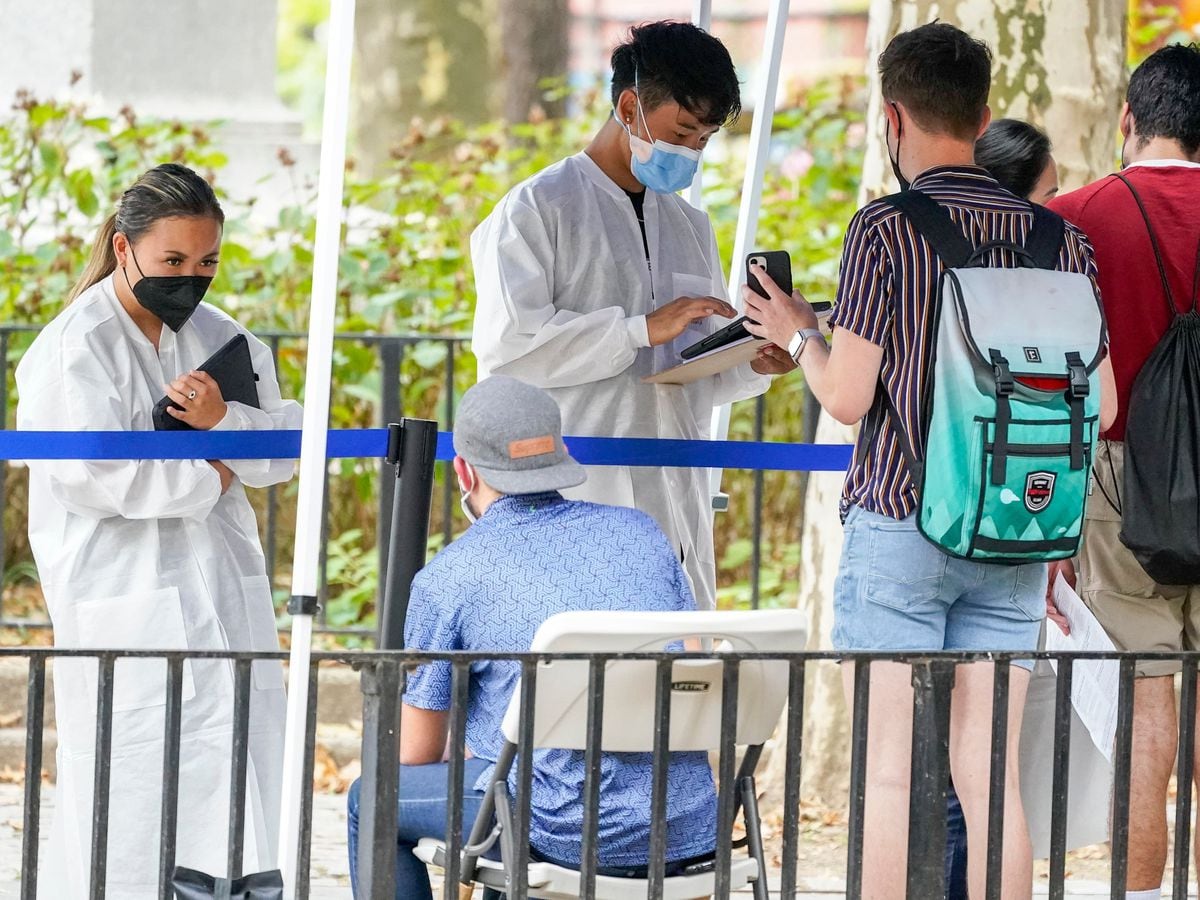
372,442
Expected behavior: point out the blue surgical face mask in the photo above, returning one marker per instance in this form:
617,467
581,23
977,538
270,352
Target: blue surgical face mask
662,167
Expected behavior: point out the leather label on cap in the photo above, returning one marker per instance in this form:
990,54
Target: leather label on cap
537,446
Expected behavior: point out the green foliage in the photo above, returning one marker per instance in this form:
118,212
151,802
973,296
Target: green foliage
64,170
352,572
1153,25
404,269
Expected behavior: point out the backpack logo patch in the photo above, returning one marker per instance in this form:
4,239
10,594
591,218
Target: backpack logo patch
1033,355
1039,489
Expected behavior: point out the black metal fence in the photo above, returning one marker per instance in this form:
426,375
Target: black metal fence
384,674
392,352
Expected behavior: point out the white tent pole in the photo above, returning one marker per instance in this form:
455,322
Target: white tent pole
752,187
701,18
305,563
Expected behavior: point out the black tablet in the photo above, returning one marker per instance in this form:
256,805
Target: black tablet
233,371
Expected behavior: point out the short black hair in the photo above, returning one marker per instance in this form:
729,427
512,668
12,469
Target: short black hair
942,75
1015,153
1164,96
678,61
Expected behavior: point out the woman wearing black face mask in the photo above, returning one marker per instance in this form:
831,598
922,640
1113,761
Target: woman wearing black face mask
153,554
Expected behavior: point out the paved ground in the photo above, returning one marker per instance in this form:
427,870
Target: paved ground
330,874
330,878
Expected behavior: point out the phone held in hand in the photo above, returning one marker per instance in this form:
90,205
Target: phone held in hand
779,268
778,265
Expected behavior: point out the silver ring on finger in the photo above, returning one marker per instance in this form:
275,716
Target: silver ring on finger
191,395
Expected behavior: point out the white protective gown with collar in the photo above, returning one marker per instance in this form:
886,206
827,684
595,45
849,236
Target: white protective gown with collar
564,289
150,554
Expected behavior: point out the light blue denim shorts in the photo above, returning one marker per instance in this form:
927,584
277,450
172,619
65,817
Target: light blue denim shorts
897,591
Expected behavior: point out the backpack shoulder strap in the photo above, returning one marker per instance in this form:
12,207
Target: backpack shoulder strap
1158,257
1196,281
935,225
1045,237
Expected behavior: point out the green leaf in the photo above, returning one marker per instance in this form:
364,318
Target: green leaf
52,157
43,113
82,186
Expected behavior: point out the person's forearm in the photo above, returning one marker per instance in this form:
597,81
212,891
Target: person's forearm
814,363
835,397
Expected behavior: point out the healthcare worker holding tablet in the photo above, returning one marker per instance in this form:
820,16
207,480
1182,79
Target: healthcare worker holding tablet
153,554
594,273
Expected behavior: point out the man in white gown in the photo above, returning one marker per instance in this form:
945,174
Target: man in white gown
594,274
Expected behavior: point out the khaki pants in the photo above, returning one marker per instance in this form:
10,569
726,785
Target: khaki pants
1138,613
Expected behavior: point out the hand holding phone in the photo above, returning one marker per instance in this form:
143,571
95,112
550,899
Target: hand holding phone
778,266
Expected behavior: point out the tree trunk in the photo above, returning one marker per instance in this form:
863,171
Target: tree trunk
1059,63
416,58
532,47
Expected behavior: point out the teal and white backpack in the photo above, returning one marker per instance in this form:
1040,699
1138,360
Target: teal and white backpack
1011,410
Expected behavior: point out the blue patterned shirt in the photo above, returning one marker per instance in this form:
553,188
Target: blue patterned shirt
527,558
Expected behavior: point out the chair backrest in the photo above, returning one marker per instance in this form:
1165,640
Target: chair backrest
560,708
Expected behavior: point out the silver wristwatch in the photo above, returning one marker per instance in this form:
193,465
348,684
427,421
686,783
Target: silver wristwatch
799,339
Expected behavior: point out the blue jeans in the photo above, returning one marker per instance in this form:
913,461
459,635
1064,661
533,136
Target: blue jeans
422,814
897,591
956,848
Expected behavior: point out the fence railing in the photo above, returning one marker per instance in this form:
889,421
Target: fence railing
391,351
384,675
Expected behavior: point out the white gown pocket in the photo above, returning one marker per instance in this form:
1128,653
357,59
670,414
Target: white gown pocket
142,620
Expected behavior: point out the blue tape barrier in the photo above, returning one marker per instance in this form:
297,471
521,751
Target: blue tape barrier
372,442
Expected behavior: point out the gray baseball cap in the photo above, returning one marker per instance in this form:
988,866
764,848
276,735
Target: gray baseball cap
511,432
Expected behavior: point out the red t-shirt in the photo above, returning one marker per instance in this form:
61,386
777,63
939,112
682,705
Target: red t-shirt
1130,288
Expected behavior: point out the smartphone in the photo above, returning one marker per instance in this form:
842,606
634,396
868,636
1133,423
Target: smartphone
778,265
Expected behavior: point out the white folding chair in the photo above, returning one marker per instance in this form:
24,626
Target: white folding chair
628,726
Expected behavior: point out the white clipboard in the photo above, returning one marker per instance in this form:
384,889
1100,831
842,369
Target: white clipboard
712,363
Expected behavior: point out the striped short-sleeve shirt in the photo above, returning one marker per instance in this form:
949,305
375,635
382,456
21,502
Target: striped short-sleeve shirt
886,292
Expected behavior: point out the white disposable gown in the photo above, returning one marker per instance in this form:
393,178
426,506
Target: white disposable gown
564,289
146,555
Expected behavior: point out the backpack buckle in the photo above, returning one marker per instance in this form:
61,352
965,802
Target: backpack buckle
1002,374
1078,386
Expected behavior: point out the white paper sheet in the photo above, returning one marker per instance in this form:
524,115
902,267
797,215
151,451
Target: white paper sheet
1094,683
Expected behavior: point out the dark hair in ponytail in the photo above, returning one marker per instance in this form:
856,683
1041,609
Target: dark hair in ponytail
1015,153
165,192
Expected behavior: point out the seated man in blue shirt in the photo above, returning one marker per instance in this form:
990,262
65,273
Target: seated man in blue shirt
528,555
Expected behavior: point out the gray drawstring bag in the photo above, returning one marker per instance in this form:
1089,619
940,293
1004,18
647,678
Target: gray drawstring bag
192,885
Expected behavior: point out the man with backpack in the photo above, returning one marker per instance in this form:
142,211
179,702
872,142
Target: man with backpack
1006,422
1139,566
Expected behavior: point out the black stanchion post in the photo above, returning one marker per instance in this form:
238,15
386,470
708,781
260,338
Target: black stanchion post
412,449
932,682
